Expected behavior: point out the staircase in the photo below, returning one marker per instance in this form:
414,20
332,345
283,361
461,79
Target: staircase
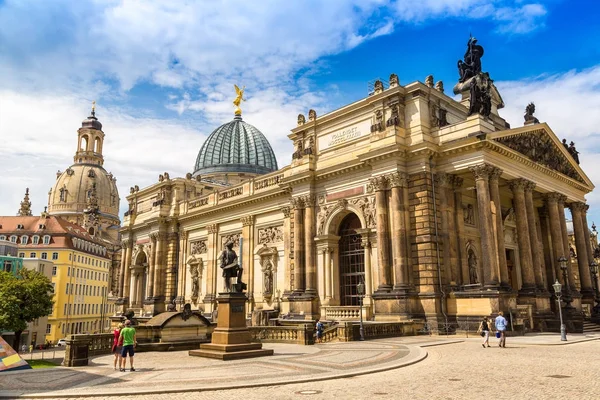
590,328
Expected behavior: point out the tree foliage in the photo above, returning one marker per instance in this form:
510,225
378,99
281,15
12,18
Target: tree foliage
23,299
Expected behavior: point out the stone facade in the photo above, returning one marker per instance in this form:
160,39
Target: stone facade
439,220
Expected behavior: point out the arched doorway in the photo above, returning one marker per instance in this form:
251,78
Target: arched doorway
351,260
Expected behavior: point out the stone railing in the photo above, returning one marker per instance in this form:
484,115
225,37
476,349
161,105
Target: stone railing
301,334
228,194
80,347
341,313
267,182
350,331
330,333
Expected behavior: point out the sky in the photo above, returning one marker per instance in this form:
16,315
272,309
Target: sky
162,73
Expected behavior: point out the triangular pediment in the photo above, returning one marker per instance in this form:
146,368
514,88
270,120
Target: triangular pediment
539,144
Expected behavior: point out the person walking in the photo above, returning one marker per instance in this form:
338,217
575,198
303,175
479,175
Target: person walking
128,339
116,347
501,329
484,331
320,328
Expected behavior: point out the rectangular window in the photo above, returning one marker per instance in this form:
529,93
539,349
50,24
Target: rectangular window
48,329
78,259
77,273
22,255
44,256
54,270
67,292
55,256
32,255
65,309
69,272
70,257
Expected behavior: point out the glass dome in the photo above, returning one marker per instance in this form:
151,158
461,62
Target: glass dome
235,147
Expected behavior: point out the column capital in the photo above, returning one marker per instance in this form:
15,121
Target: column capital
495,173
127,243
297,202
444,180
309,200
286,212
398,179
247,220
530,186
481,171
153,237
212,228
518,184
378,183
577,206
552,197
458,182
562,199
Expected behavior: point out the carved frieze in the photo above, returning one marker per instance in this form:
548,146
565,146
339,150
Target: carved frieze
234,238
540,148
271,234
367,207
198,247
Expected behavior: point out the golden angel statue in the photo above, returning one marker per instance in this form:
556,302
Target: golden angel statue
238,99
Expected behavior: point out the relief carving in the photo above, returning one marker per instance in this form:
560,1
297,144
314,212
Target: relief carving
272,234
198,247
233,238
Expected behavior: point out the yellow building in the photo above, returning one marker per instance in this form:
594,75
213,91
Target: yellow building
80,274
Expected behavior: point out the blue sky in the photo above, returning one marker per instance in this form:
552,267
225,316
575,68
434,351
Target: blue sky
162,72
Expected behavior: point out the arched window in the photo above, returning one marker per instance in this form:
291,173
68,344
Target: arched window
24,239
84,143
97,145
2,237
46,239
36,239
13,238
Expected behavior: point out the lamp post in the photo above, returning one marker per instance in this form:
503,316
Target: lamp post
360,289
562,262
563,330
594,271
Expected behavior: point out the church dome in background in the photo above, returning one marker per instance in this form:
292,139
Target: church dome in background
235,148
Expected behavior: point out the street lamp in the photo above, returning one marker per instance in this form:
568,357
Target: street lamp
557,290
594,271
360,289
562,263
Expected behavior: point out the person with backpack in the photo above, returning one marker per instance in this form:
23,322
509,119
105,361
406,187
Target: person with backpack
320,328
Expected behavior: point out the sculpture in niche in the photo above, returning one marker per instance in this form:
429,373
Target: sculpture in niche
301,119
472,262
321,218
529,118
198,247
471,65
268,265
195,274
231,268
267,270
272,234
539,148
91,173
469,214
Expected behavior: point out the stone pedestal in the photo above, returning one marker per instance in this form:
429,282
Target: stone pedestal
231,338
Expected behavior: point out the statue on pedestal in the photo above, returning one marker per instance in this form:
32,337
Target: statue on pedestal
471,65
229,264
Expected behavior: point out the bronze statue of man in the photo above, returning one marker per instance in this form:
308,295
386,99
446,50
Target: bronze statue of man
231,268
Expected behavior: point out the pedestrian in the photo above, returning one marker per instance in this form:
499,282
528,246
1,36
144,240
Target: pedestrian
320,328
484,331
501,329
117,346
127,338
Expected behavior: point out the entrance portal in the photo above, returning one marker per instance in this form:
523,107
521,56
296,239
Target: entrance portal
351,261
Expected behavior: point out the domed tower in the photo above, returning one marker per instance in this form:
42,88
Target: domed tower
85,193
235,151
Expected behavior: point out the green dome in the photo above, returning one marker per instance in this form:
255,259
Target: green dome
236,147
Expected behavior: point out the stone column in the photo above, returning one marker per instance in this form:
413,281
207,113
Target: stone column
327,265
536,252
158,266
380,185
583,261
549,258
565,239
460,232
398,181
442,182
586,233
310,231
171,270
138,288
489,256
182,270
495,197
122,271
298,206
127,278
287,248
152,266
213,251
523,236
558,248
248,256
455,273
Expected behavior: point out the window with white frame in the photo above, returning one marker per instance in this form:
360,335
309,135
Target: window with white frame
2,237
44,256
13,239
55,256
36,240
32,255
54,268
47,239
24,239
21,255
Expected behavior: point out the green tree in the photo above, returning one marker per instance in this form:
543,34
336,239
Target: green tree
23,298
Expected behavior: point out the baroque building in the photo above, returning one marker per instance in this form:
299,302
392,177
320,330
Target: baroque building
86,194
438,206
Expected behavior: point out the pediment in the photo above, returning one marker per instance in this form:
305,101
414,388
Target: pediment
539,144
